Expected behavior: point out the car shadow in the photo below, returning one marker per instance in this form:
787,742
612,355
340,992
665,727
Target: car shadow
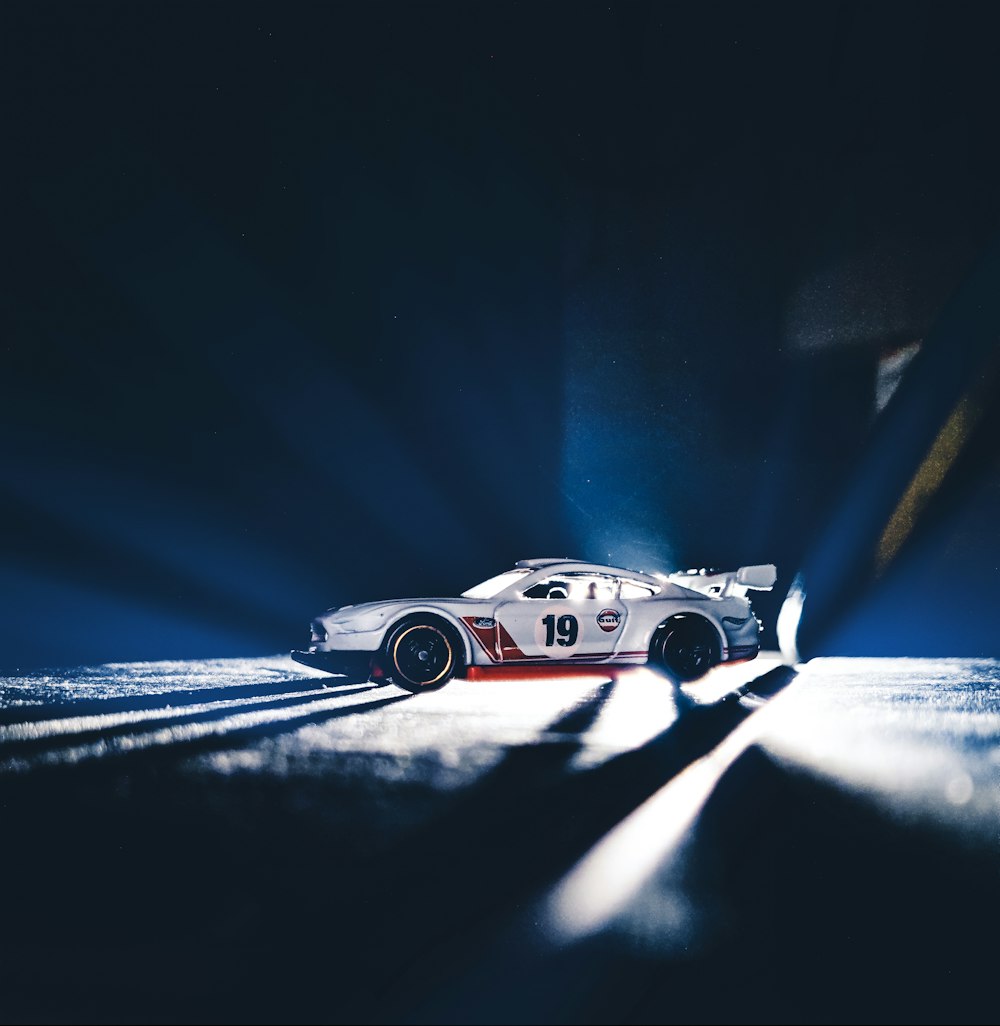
539,776
532,787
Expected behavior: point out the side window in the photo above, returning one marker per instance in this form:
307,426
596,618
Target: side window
576,587
593,586
552,588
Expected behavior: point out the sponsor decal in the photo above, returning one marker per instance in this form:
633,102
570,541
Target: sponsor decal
484,622
609,619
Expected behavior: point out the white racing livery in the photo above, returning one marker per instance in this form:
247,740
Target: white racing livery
545,612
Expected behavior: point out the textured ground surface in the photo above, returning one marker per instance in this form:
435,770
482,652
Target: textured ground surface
249,840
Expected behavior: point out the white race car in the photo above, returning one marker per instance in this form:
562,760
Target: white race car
544,612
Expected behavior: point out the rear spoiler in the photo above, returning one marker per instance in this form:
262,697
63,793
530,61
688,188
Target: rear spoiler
735,582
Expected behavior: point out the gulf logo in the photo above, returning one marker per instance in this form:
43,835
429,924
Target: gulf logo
609,619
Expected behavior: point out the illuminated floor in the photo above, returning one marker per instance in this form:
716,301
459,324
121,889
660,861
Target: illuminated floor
570,849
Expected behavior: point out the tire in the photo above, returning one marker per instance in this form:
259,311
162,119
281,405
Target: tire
686,646
421,654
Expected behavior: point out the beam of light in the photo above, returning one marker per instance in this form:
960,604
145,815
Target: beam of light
916,738
143,523
93,624
643,705
889,373
612,873
231,306
788,620
440,740
168,678
926,481
179,733
58,728
623,446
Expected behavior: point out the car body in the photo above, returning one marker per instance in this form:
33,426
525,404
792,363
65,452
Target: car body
542,612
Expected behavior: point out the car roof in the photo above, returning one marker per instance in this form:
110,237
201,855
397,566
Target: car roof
577,566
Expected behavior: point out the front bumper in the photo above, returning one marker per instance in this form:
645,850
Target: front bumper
742,653
357,666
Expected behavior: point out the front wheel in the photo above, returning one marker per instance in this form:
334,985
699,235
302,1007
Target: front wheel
419,655
686,647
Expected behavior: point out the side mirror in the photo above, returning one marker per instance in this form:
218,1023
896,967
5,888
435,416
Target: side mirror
761,577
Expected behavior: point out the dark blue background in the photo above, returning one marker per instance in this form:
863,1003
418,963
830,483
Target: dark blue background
311,304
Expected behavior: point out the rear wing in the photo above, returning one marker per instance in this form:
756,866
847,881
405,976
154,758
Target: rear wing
719,584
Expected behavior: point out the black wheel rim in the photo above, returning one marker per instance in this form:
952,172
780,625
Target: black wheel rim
422,655
687,653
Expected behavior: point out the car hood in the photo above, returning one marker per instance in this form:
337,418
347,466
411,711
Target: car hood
391,607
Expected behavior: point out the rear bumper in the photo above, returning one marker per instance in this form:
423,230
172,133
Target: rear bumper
356,665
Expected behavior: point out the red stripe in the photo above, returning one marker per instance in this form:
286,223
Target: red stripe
495,641
509,651
486,636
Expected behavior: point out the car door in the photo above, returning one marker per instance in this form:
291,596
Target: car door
567,617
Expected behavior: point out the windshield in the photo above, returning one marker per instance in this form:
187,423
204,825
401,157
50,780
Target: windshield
494,585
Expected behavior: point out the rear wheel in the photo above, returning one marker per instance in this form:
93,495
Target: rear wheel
686,647
421,655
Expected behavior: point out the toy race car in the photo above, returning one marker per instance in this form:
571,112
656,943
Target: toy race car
544,612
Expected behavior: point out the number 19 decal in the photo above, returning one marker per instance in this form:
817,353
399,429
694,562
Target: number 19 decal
562,630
